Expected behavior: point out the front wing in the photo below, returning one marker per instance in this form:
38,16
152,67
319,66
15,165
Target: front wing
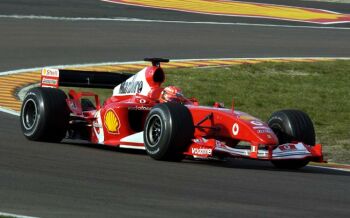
211,148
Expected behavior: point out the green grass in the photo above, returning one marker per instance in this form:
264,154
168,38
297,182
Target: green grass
321,89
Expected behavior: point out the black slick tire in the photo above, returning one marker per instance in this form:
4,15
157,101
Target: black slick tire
168,131
44,115
289,126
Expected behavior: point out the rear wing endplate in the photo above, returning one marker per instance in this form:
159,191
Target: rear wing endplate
55,78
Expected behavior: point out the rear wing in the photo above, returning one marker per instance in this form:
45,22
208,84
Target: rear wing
55,78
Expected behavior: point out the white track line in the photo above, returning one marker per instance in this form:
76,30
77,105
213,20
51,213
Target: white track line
8,111
125,19
330,168
15,215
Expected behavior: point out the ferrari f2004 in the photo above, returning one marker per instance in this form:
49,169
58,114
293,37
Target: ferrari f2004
141,114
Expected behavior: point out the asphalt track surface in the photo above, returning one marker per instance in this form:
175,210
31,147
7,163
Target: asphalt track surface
82,180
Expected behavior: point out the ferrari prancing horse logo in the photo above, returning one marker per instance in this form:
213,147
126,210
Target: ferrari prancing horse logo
112,122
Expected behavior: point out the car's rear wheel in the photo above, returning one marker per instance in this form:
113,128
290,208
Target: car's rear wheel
168,131
44,115
289,126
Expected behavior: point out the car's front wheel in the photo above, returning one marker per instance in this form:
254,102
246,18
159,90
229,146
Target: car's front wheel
168,131
289,126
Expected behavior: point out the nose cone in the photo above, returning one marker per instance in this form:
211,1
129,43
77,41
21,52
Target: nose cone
259,131
267,137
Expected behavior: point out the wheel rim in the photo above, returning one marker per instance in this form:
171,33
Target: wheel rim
30,114
154,131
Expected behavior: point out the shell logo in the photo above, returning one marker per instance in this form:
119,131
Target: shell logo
112,122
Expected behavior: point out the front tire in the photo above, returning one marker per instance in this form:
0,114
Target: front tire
44,115
168,131
289,126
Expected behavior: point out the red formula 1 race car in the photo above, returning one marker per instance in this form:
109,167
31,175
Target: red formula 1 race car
142,115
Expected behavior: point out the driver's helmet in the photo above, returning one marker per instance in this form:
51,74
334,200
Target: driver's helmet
172,94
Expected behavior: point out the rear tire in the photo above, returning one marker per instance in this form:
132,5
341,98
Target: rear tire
44,115
168,131
289,126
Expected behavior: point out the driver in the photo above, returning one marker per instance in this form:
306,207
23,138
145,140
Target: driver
172,94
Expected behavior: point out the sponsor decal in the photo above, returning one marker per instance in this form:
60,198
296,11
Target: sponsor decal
256,123
131,87
140,108
235,129
136,84
287,147
262,131
47,81
50,72
112,122
202,151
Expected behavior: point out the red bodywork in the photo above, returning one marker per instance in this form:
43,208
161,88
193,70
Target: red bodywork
219,131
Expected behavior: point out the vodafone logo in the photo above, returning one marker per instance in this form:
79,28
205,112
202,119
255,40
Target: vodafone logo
202,151
235,129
